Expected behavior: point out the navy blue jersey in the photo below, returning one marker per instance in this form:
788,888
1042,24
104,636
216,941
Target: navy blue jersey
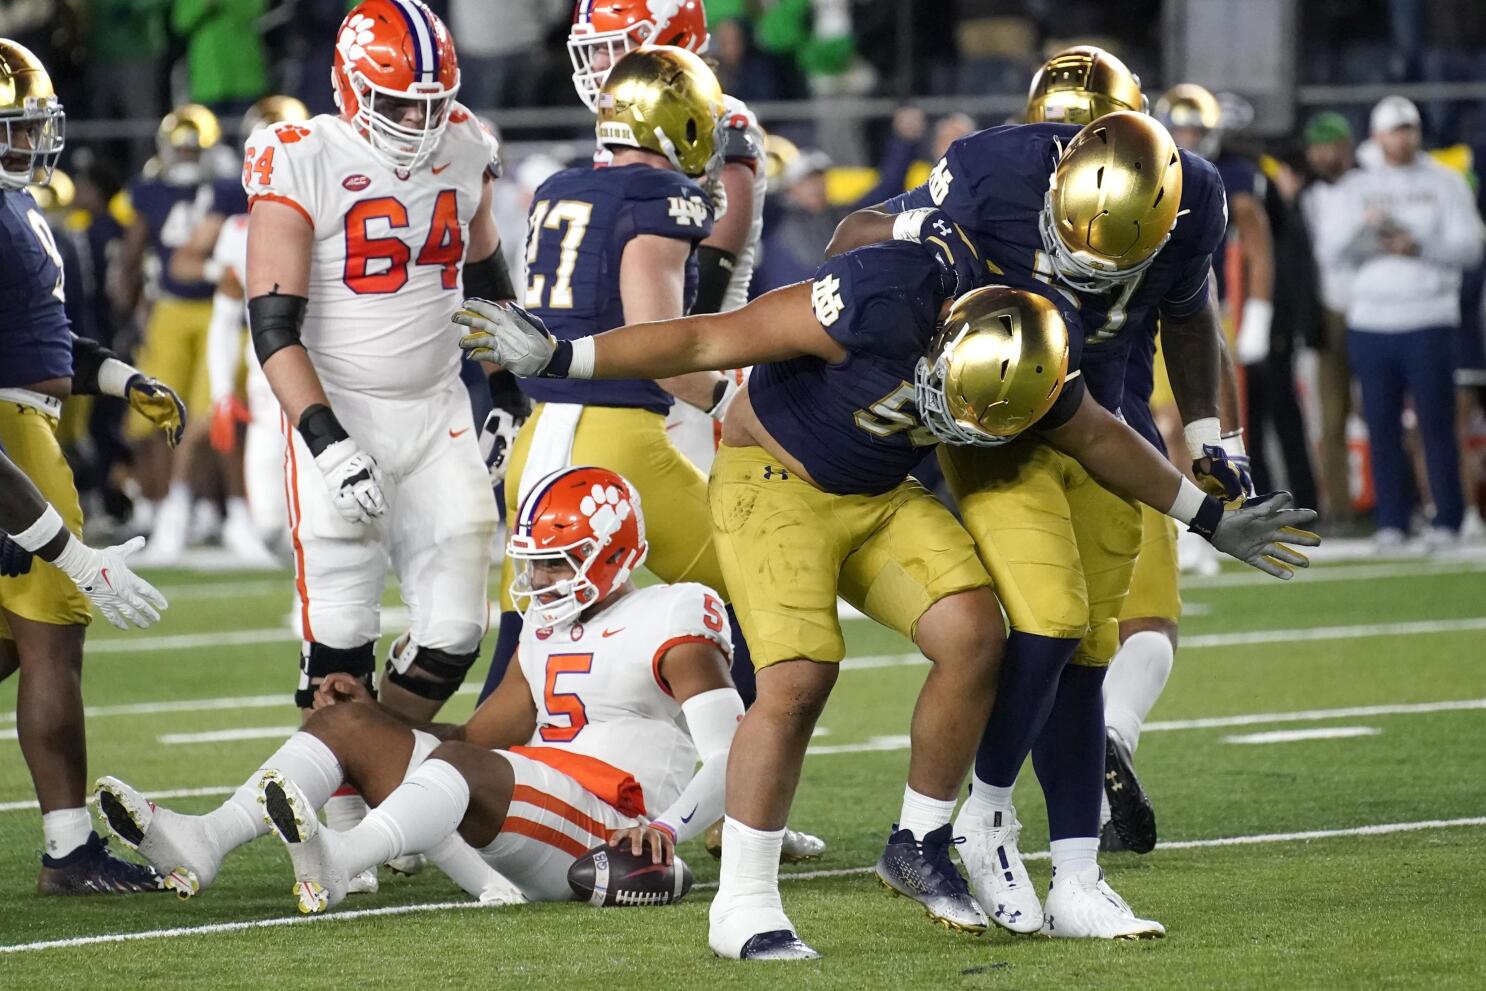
1239,176
854,425
35,337
228,197
993,183
580,222
172,213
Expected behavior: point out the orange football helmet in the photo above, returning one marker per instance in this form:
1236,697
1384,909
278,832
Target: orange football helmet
392,59
605,30
588,518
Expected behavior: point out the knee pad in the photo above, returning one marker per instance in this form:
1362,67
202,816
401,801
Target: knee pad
428,672
318,660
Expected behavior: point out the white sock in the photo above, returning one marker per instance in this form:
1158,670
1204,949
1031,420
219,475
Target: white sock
417,816
1136,677
749,875
303,759
922,815
1074,855
344,810
464,865
986,799
65,830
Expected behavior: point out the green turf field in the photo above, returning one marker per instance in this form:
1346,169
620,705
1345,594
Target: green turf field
1343,862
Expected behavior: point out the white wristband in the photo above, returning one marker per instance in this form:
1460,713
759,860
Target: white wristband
1233,444
581,367
114,376
1201,433
42,532
906,225
1189,499
720,411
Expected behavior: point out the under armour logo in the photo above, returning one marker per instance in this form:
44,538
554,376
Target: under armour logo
826,301
942,228
771,472
1011,916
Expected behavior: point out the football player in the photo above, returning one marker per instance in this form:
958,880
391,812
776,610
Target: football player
582,743
163,207
219,251
44,607
601,34
810,498
1094,213
365,227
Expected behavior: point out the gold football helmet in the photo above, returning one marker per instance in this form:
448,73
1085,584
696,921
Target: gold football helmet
1112,201
1189,105
189,127
994,369
665,100
273,110
34,122
56,196
1081,84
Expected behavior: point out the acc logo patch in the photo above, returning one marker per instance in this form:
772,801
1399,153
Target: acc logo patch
356,183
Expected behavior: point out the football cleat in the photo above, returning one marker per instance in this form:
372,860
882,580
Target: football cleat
781,944
997,875
1109,839
320,882
408,864
364,883
92,870
1130,809
797,846
1082,906
178,846
922,870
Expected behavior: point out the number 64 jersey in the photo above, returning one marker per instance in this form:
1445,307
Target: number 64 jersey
604,713
389,246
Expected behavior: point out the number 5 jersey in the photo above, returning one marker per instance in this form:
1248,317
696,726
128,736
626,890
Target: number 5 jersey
389,245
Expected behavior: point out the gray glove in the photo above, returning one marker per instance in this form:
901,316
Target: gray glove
1252,533
507,335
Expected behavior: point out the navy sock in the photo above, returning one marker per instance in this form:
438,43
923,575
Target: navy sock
1069,754
743,675
506,642
1029,683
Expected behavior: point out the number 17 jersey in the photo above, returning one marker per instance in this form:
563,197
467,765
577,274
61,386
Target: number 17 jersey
388,251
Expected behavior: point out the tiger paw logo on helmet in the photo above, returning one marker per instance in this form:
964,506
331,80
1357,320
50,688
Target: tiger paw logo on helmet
356,34
606,508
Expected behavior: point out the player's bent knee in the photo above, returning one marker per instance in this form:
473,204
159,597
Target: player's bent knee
428,672
317,661
964,628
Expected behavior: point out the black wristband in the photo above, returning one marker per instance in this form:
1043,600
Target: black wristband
88,357
714,273
488,279
274,320
562,360
319,428
1205,523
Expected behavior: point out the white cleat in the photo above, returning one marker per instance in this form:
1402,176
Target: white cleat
755,933
997,875
320,883
364,883
408,864
1083,906
177,846
800,846
499,890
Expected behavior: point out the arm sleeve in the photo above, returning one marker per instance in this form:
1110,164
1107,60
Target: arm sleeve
278,168
711,719
1458,243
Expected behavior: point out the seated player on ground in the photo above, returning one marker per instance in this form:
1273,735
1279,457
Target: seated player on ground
581,743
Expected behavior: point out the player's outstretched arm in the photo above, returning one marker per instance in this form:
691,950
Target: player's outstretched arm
773,327
1121,460
697,674
652,286
36,528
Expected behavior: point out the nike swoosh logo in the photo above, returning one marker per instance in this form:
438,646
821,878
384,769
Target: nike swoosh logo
439,168
104,574
687,817
459,433
610,633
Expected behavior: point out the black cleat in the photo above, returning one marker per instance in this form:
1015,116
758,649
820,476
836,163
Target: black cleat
922,870
781,944
1109,840
92,870
1130,811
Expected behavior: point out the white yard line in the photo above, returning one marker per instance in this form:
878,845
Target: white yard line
172,793
229,735
1301,735
297,920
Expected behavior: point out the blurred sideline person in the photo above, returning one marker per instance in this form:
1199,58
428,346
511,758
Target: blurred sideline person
1410,227
44,606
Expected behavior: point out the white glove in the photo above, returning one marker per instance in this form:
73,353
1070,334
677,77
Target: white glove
1252,346
354,479
712,185
507,335
497,436
104,577
1252,533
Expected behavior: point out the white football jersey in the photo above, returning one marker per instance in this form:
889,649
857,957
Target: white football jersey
231,249
598,690
389,247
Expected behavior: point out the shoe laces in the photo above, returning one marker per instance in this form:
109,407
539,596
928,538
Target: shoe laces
936,854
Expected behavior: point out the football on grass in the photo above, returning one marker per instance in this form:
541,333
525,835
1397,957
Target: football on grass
607,876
